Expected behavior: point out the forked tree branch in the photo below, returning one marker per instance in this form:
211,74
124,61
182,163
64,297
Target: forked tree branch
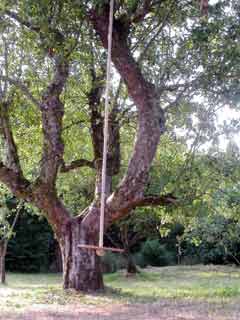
151,120
18,185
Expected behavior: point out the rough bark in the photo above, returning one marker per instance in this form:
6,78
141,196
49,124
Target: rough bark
151,121
97,124
19,186
12,160
128,244
52,110
52,207
81,267
131,265
3,250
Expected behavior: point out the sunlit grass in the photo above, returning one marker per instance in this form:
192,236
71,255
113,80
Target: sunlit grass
210,284
199,282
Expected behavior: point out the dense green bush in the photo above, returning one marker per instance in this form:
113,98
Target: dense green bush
140,260
31,248
215,240
155,254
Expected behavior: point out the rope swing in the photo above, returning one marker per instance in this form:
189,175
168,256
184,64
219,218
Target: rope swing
100,249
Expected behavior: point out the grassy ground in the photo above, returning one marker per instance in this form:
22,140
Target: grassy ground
170,293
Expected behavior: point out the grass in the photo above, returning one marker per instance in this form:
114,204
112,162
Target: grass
196,282
212,287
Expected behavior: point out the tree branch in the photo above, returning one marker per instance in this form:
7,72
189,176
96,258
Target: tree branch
77,164
12,160
18,210
145,201
19,186
142,11
151,120
23,88
6,66
21,21
52,110
165,200
153,38
204,7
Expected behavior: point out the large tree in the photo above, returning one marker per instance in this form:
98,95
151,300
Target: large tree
55,59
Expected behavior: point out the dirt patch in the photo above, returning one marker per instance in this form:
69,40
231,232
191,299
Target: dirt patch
165,310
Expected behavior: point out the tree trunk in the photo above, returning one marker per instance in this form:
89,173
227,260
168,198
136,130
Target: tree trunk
81,267
131,266
3,250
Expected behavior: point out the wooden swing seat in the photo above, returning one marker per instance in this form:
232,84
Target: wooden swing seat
97,248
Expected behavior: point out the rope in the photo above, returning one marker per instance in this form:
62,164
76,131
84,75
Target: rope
105,132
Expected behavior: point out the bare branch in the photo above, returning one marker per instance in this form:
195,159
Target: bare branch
75,123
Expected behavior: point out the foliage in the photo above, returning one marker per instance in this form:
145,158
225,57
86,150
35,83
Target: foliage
10,210
140,260
31,250
214,239
156,254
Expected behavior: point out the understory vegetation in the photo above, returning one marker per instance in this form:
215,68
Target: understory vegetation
212,240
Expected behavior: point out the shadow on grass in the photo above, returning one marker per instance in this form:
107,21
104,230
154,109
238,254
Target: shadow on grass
162,284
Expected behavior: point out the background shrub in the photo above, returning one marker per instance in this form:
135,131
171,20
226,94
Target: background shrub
156,254
111,262
32,247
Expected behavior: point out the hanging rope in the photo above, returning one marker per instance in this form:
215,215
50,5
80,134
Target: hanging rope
105,132
100,249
